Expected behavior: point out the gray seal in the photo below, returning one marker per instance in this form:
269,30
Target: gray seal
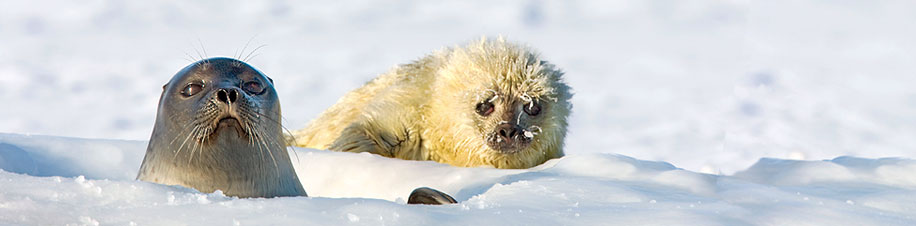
218,128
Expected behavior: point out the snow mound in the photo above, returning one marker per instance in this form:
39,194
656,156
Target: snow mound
56,181
897,172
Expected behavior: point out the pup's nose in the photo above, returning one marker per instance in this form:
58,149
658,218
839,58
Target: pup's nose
507,131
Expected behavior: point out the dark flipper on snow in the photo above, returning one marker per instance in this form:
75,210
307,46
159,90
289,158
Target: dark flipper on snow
429,196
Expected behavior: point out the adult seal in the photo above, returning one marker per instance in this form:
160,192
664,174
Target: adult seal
218,128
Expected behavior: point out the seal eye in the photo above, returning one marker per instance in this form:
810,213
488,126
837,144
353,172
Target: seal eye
191,89
533,108
485,108
253,87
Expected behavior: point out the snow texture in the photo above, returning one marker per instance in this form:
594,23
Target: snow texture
39,188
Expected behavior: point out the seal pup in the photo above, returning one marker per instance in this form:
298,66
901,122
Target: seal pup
218,128
489,103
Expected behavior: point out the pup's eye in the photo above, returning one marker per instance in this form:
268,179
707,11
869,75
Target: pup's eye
191,89
253,87
533,108
484,109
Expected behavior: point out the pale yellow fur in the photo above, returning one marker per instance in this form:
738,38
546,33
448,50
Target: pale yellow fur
425,110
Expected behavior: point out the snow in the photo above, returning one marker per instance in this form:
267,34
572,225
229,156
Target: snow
38,188
728,106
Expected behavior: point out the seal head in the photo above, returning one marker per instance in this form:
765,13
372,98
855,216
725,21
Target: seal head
218,128
501,104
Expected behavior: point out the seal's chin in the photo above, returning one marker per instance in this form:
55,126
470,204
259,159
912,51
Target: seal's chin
508,146
510,149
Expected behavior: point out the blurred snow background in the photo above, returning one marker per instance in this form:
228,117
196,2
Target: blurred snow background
709,86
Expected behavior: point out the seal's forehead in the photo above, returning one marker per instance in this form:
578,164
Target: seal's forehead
218,67
500,60
519,73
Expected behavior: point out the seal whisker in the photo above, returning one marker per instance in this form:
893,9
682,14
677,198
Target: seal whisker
264,116
257,141
200,152
203,128
519,117
287,141
200,129
246,46
199,55
532,128
261,141
198,149
197,141
190,57
253,51
282,127
172,142
251,140
495,95
181,147
255,56
251,131
202,48
265,141
203,140
235,56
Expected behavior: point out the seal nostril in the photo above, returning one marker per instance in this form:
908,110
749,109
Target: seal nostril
222,96
233,95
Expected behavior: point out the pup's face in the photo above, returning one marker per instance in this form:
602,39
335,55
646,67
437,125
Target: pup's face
508,121
519,117
514,106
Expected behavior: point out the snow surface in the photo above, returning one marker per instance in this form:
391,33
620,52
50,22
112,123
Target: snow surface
38,186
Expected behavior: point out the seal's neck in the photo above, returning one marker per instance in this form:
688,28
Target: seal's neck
225,162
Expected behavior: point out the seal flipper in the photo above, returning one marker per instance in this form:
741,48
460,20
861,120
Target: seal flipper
386,136
429,196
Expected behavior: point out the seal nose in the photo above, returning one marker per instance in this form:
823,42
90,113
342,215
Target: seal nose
227,96
507,131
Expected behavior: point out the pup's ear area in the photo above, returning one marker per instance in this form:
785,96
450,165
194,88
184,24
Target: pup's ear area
429,196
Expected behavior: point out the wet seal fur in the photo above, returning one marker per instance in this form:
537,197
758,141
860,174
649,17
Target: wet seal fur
218,128
490,103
